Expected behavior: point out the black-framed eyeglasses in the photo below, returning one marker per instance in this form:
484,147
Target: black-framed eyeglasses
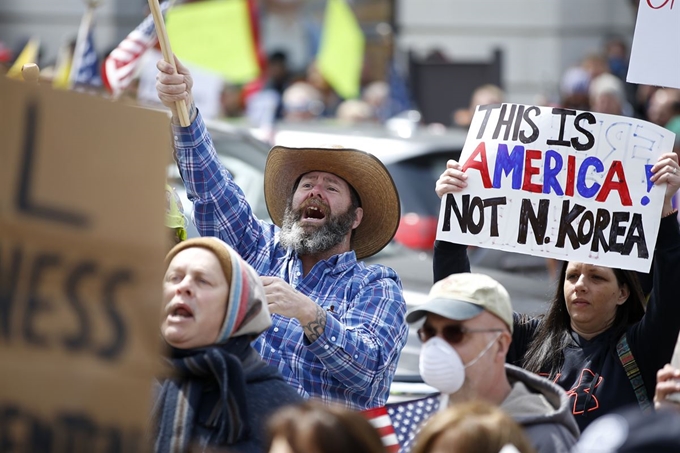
453,334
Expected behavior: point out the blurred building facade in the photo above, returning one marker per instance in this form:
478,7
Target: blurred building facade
538,39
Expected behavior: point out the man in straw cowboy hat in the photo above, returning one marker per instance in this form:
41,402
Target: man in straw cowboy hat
338,325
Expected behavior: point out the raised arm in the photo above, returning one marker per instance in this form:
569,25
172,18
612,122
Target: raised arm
450,258
652,340
220,207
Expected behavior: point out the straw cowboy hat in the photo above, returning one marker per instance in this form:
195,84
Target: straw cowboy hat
363,171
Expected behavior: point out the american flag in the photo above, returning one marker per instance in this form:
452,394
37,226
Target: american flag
121,64
380,420
408,417
399,423
85,69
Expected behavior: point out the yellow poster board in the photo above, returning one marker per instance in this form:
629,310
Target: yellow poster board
215,35
341,54
82,241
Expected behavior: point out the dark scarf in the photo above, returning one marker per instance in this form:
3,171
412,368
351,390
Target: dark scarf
222,368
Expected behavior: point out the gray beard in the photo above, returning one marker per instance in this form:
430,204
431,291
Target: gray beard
318,240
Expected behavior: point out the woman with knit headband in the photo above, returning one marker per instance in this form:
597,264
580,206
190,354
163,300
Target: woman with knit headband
222,391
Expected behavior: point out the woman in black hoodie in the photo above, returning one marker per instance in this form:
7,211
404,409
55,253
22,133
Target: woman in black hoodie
597,341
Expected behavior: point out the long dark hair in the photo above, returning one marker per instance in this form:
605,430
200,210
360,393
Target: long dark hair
545,353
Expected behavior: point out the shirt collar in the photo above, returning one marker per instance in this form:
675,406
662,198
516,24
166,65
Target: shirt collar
336,264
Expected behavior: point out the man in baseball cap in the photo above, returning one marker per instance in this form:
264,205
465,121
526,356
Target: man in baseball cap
466,332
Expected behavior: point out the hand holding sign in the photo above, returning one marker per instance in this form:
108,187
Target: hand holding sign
452,180
666,170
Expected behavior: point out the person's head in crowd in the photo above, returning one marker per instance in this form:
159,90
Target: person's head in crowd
277,69
663,105
674,126
483,95
466,335
354,111
472,427
315,427
574,89
376,94
330,200
617,57
596,64
210,295
232,101
435,56
174,216
630,430
316,79
302,101
607,94
617,301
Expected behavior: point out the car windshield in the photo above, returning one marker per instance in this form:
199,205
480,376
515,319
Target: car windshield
415,179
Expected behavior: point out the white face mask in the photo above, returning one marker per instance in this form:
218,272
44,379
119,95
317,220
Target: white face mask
441,366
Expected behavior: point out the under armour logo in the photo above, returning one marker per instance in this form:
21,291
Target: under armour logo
581,393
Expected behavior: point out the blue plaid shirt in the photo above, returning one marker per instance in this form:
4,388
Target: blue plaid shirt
354,361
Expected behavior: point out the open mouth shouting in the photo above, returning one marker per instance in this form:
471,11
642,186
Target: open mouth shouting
179,312
313,213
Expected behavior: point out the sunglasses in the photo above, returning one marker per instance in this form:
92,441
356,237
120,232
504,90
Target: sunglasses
453,334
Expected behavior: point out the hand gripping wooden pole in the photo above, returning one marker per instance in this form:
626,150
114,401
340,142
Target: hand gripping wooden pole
162,34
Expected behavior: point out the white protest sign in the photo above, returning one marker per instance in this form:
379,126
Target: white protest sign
559,183
654,56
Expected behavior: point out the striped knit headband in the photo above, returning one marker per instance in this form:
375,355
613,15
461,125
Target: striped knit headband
247,311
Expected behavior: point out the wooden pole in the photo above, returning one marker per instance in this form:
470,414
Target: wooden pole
162,34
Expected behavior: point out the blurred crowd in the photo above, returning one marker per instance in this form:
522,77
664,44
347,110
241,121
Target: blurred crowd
596,83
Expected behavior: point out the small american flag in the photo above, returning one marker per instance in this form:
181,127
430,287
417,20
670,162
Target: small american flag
85,70
121,64
408,417
399,423
380,420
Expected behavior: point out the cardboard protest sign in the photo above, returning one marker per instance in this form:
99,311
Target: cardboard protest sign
82,241
654,56
559,183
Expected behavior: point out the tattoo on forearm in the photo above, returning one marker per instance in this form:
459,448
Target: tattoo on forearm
314,329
